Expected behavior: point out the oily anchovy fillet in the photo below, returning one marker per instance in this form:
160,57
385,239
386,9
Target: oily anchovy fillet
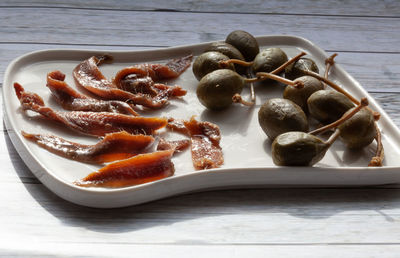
88,75
157,72
177,125
136,84
177,145
205,139
140,78
90,123
114,146
70,99
139,169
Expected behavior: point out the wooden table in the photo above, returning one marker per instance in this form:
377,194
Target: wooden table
350,222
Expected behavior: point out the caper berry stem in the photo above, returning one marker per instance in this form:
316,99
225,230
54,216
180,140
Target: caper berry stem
333,85
226,63
341,90
252,93
296,83
346,116
237,98
377,160
287,63
276,71
255,79
333,137
329,62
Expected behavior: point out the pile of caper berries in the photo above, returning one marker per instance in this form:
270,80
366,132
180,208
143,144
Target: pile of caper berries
223,70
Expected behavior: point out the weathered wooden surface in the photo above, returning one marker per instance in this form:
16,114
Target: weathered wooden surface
81,26
375,8
353,222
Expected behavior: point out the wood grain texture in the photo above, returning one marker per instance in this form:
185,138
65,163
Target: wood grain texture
319,222
385,8
264,217
77,26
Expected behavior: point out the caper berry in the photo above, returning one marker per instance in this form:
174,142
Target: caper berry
358,131
328,106
297,69
277,116
216,89
300,95
298,149
226,49
230,51
245,43
268,60
208,62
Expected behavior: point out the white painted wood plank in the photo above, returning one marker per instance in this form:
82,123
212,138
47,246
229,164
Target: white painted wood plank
249,217
390,103
330,7
254,251
132,28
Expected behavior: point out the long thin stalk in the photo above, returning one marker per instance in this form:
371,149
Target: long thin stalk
226,63
295,83
333,137
287,63
377,160
333,85
363,103
329,62
237,98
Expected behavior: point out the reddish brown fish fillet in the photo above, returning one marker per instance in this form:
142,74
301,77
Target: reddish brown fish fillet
205,138
145,85
177,125
177,145
88,75
139,169
170,91
112,147
91,123
70,99
157,72
135,80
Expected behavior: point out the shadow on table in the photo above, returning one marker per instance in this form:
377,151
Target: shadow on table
307,203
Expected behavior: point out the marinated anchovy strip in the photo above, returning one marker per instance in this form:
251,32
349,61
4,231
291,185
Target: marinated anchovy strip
136,84
173,68
90,123
141,78
114,146
157,72
206,151
88,75
139,169
177,145
70,99
205,139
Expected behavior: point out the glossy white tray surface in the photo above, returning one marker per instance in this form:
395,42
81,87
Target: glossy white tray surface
246,148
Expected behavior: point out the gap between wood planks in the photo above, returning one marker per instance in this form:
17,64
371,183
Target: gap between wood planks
199,11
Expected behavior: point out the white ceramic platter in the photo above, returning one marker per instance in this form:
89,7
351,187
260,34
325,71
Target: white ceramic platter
246,148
